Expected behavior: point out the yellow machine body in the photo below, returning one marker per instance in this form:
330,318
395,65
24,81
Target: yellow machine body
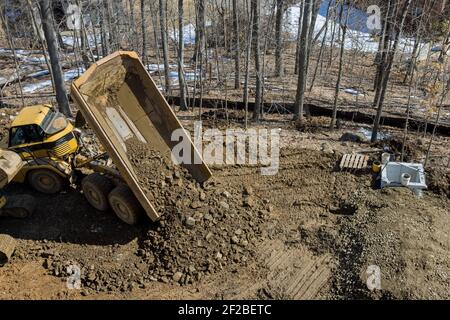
44,139
40,132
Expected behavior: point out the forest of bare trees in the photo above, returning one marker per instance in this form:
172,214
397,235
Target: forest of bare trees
248,50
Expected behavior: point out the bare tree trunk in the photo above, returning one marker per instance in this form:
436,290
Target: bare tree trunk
107,12
247,65
162,20
237,48
41,41
13,50
303,61
341,61
436,122
383,47
104,32
52,45
86,52
408,112
133,25
414,56
387,71
257,56
299,35
154,15
144,34
266,33
200,28
279,68
322,45
181,55
314,14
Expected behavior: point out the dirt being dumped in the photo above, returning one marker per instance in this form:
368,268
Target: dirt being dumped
203,227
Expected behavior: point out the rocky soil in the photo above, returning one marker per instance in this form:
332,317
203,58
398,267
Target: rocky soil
243,235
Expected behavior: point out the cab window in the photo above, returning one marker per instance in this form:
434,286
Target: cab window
26,134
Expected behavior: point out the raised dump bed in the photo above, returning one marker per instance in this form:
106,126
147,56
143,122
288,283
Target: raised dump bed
121,102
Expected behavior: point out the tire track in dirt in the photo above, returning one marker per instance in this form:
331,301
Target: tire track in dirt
294,273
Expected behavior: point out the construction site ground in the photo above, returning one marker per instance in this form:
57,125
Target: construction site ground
312,231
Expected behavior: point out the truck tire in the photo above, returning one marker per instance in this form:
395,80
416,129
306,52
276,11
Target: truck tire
45,181
96,188
7,246
125,205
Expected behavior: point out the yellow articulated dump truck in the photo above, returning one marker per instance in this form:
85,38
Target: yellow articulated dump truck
120,101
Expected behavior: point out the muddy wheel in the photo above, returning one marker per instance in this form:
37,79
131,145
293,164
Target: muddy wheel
125,205
96,188
7,246
45,181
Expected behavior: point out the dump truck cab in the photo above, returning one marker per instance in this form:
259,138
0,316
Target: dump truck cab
38,131
45,140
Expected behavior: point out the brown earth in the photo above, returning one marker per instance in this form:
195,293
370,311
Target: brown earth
310,233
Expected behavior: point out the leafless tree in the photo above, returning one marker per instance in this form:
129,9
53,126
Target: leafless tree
52,46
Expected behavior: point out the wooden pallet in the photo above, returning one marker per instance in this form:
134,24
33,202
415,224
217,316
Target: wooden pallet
354,162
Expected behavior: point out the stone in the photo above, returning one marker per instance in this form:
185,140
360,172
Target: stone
190,222
326,148
198,216
234,239
249,202
354,137
208,236
196,205
165,279
226,194
224,205
248,190
177,276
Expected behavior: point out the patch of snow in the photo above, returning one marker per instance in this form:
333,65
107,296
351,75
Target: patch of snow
34,59
155,67
173,74
73,73
68,75
69,40
368,134
32,87
358,35
188,76
353,92
38,74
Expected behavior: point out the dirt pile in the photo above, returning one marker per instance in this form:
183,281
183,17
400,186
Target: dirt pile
203,227
438,180
203,230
